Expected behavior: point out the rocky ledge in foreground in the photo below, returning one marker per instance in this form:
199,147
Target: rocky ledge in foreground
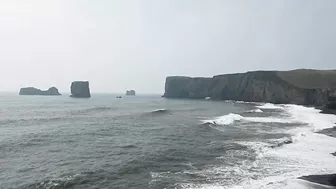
80,89
52,91
130,93
328,180
304,87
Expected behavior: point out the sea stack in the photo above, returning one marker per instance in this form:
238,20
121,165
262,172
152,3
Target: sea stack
80,89
52,91
130,93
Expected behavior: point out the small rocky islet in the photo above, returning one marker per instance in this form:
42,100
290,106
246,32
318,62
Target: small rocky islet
52,91
130,93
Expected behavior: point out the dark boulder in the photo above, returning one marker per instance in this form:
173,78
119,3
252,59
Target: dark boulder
52,91
80,89
130,93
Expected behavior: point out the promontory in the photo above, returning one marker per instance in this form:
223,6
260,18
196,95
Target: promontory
302,86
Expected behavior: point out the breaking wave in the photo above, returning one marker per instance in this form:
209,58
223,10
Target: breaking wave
270,106
231,118
160,111
224,120
255,111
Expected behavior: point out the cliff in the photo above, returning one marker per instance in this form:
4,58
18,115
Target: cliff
130,93
34,91
305,87
80,89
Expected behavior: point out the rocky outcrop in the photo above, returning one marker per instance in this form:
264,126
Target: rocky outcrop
52,91
305,87
130,93
330,106
80,89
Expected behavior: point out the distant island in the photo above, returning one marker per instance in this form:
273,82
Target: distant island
302,86
130,93
80,89
52,91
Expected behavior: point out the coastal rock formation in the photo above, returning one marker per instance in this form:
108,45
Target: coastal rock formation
80,89
330,106
326,180
52,91
305,87
130,93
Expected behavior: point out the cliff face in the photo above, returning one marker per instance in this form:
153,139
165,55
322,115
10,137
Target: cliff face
34,91
187,87
260,86
80,89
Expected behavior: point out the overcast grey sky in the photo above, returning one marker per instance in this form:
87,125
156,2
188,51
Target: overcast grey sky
135,44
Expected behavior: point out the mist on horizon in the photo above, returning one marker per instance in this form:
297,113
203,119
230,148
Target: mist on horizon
119,45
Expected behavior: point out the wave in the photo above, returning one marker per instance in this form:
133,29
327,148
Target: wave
61,182
255,111
25,120
129,146
94,109
270,106
269,120
231,118
278,162
159,112
305,153
224,120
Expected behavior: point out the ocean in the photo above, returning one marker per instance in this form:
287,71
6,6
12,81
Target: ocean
151,142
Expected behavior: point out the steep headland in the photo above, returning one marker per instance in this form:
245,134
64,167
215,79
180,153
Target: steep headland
52,91
305,87
80,89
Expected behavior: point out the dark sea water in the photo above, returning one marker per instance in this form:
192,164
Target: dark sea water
147,142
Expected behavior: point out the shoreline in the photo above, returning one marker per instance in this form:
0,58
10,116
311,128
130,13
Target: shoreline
324,179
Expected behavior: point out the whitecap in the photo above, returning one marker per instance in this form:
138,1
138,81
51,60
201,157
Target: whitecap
231,118
270,106
224,120
269,120
255,111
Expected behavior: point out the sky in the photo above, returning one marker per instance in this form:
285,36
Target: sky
134,44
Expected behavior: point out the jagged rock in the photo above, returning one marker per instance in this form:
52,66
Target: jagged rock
52,91
305,87
130,93
80,89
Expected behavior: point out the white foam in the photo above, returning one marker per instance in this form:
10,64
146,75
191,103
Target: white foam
255,111
270,106
309,154
231,118
224,120
268,120
311,116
